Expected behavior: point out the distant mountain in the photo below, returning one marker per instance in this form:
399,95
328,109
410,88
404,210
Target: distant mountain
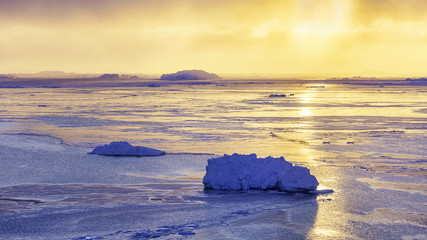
416,79
52,74
190,75
5,76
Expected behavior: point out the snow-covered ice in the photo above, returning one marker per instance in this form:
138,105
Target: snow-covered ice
79,196
125,149
244,172
51,190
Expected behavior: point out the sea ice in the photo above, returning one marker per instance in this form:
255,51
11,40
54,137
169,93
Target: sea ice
125,149
244,172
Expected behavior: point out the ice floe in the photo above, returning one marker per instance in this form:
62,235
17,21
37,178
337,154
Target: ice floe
125,149
244,172
277,95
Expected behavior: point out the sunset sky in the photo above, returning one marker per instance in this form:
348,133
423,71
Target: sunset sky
221,36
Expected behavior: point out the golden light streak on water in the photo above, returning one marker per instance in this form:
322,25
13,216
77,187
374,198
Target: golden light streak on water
305,112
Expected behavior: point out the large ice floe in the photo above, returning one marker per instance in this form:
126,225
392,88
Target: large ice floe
245,172
125,149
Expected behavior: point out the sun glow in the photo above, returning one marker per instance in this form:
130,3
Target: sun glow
281,36
266,28
329,17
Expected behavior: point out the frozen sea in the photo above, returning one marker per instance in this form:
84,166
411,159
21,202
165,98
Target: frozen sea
366,141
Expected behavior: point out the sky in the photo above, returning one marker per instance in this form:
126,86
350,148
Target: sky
368,37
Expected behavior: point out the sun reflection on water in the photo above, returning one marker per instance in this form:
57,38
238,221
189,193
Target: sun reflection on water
305,112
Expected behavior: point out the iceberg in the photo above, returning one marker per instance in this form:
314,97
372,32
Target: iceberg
247,172
109,76
125,149
190,75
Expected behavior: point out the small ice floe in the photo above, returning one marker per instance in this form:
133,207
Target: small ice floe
277,95
125,149
245,172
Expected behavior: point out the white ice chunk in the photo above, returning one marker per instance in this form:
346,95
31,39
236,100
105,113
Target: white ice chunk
125,149
244,172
